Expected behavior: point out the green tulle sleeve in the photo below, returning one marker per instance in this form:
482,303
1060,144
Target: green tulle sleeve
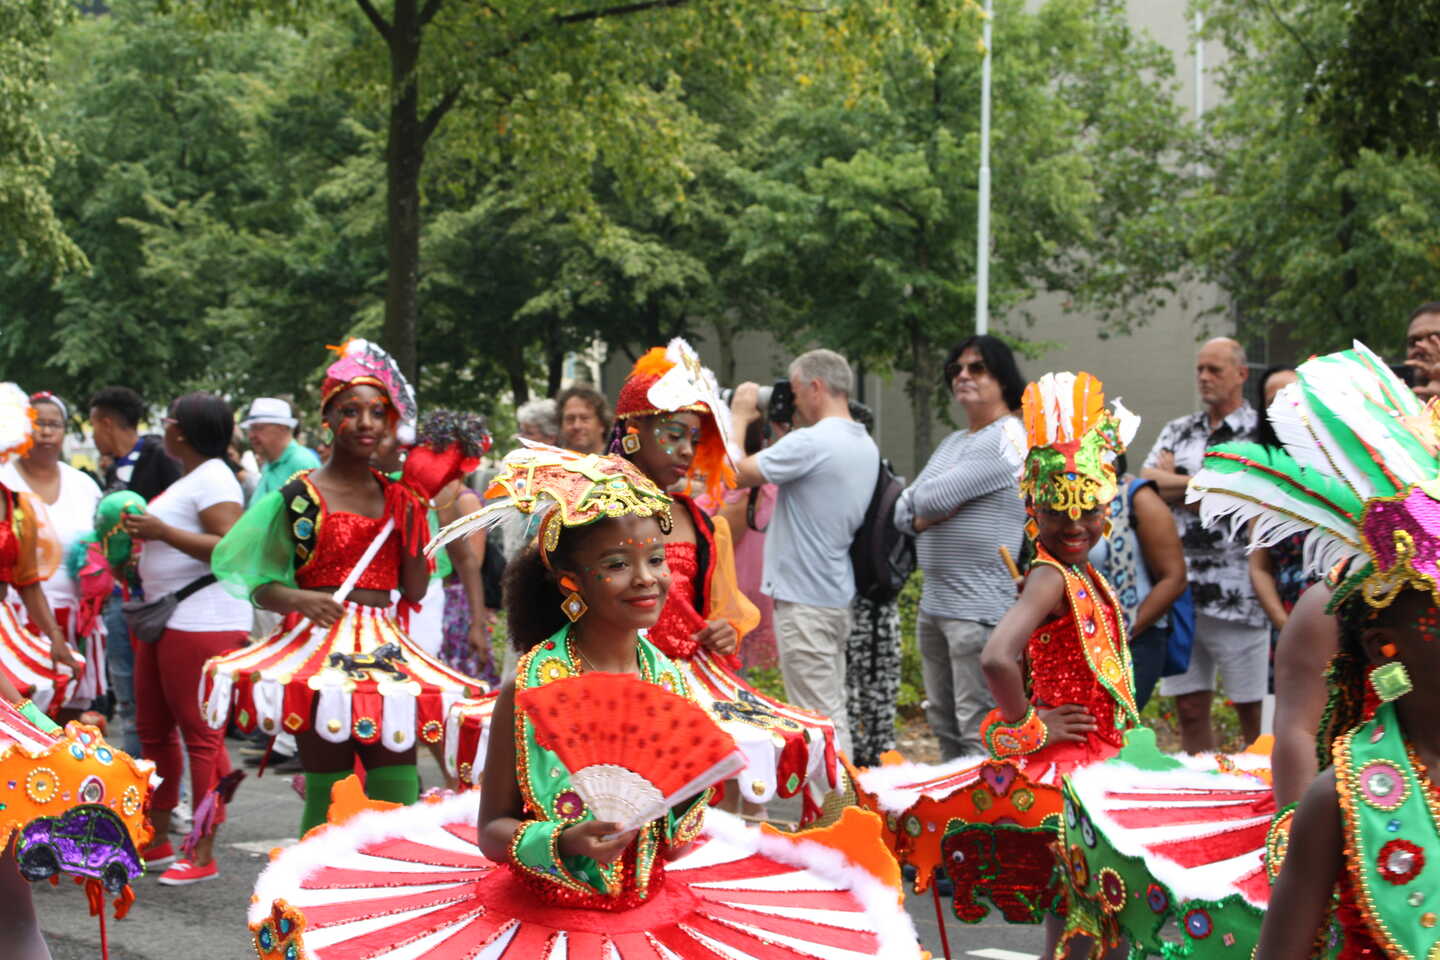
259,549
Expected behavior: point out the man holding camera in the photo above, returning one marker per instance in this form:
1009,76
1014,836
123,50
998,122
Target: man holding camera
825,472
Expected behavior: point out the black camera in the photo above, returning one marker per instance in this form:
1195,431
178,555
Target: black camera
781,408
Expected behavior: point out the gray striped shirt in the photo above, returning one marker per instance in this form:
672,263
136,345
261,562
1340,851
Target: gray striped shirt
973,476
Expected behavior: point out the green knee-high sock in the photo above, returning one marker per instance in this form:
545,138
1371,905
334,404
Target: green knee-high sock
317,797
397,784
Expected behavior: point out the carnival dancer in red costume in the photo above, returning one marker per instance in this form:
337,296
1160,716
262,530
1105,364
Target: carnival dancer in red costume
54,784
326,551
672,424
542,874
995,819
43,667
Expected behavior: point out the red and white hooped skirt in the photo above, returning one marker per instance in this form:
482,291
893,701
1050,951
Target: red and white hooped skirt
382,689
25,660
410,883
91,649
786,747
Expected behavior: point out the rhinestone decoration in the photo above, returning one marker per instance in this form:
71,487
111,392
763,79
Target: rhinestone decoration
304,528
293,722
104,755
1079,868
982,799
40,785
1156,898
265,938
1087,831
1427,920
1382,785
1023,800
1400,861
92,790
1198,924
1416,898
757,787
431,731
77,751
334,725
1112,889
365,728
569,805
130,801
1393,826
912,826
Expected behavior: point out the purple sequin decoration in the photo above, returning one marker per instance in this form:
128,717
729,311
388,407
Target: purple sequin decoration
1419,516
87,841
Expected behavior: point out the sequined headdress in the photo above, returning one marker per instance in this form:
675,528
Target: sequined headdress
1073,443
361,361
1359,476
564,489
669,380
17,422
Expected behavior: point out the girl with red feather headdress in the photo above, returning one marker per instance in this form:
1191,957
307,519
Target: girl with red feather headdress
672,424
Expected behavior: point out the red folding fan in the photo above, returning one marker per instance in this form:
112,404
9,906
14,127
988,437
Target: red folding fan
633,749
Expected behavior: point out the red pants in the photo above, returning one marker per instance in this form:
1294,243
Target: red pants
167,684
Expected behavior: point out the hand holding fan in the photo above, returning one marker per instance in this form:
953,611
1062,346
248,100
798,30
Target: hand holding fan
633,749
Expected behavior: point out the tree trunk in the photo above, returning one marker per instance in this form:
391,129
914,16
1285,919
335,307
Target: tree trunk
515,367
554,357
404,154
922,390
725,330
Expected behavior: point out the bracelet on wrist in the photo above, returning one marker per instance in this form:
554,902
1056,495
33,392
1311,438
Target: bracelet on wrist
1025,736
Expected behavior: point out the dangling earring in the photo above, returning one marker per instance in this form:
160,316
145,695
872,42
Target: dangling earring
1105,534
573,605
630,441
1390,681
1032,529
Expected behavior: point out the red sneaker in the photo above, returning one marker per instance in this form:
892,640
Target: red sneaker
184,872
158,855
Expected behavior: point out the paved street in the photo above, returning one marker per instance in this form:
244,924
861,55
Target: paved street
207,921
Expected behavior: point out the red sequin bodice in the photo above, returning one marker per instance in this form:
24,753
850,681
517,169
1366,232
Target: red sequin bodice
679,619
1060,674
340,539
9,542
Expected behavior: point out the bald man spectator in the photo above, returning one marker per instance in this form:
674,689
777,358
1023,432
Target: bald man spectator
1231,638
1422,349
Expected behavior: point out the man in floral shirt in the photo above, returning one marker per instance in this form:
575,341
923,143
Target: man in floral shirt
1231,638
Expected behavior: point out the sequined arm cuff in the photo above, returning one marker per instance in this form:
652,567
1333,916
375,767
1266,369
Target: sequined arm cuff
1013,739
685,826
535,849
32,713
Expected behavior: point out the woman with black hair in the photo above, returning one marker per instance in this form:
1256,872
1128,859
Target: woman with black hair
180,529
963,505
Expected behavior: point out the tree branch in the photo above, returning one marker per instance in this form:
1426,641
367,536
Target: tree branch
373,15
620,11
432,7
437,112
1294,34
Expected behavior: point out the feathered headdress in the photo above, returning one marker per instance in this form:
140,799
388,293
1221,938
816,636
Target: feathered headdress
671,379
565,489
1360,477
361,361
17,422
1073,442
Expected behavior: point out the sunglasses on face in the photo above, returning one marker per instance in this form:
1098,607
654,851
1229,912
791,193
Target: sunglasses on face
976,369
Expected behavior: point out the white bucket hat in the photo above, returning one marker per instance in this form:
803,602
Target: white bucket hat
268,410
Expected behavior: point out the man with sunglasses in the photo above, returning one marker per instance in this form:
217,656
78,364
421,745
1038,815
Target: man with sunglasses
1422,349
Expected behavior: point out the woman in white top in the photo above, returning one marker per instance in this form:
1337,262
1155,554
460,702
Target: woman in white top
70,498
180,529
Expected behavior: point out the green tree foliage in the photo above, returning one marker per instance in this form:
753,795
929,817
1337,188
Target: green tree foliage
557,85
184,178
28,225
863,221
1320,213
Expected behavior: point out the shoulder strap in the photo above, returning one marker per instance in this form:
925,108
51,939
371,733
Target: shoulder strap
302,509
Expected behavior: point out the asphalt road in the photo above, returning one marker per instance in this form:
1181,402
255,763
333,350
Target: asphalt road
206,921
